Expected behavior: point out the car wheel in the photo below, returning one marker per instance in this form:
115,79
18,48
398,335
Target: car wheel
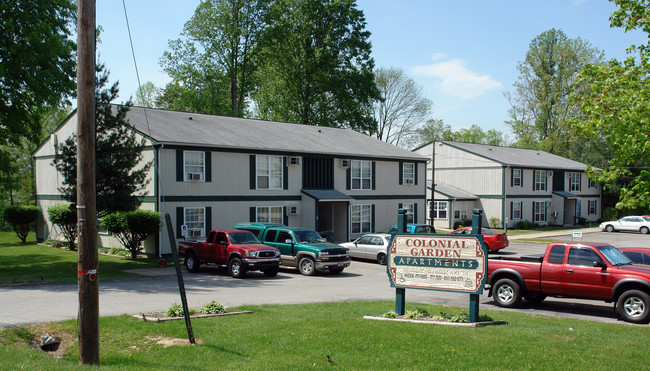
336,270
534,297
271,272
191,263
644,230
307,267
507,293
634,306
236,268
609,228
381,259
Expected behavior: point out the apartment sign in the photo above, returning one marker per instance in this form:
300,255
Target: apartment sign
438,262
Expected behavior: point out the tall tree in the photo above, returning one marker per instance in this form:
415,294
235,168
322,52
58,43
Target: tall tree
402,108
317,68
37,57
540,107
120,175
438,130
212,65
614,106
147,95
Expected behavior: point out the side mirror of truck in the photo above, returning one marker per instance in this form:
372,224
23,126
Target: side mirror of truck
288,241
600,264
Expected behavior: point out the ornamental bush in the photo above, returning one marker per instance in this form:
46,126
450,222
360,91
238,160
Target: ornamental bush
21,219
65,217
131,228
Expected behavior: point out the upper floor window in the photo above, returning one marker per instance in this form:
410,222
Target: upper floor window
361,174
269,172
592,183
574,182
408,173
517,178
194,165
540,180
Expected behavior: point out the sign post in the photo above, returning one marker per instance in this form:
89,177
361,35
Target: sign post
455,263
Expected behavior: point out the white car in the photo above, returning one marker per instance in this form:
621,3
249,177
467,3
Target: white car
628,223
369,246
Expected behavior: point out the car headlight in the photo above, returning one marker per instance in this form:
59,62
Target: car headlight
251,254
323,255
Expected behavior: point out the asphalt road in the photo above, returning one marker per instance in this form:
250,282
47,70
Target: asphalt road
361,281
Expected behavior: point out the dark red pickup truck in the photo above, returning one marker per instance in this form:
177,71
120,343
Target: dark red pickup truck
577,270
240,251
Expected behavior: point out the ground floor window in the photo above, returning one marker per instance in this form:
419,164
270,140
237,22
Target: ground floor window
410,212
269,214
516,210
591,207
460,211
440,209
194,220
361,218
539,211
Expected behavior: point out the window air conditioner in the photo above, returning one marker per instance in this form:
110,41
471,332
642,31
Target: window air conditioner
295,161
194,176
293,210
344,163
196,233
550,173
549,203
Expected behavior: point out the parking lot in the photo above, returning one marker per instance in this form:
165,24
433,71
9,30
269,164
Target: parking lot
363,280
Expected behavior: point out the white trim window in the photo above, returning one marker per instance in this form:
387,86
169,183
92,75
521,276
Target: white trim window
361,174
361,218
574,182
539,211
269,172
540,180
460,211
591,207
269,214
440,209
408,173
194,165
410,209
194,220
517,178
592,184
516,210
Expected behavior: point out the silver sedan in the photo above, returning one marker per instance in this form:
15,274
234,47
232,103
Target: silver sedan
369,246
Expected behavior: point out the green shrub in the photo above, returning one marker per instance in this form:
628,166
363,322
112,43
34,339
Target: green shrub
416,313
467,222
610,214
522,224
21,219
458,224
65,217
131,228
391,314
212,307
176,310
495,222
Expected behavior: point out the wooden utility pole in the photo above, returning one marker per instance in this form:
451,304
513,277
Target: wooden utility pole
87,277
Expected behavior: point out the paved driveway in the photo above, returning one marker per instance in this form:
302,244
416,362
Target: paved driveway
361,281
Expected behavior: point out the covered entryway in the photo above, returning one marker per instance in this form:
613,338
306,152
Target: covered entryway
331,212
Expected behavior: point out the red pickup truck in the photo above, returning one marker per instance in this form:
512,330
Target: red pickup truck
577,270
240,251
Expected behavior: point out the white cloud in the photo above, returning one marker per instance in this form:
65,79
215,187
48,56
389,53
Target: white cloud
456,80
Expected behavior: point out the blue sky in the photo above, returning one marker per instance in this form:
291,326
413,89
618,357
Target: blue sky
464,54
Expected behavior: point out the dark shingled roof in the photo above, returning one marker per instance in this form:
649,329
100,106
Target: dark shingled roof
193,129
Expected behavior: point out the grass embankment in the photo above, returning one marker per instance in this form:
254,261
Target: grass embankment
28,263
300,337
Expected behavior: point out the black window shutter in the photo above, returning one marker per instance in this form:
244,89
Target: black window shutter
512,177
522,178
285,174
179,165
252,171
179,221
416,173
373,176
253,215
534,171
401,173
208,166
372,218
208,219
512,210
348,179
415,213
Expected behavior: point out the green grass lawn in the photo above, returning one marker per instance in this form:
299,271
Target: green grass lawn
299,337
26,263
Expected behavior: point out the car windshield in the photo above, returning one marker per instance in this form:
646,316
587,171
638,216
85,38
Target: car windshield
614,255
646,218
308,236
488,231
243,237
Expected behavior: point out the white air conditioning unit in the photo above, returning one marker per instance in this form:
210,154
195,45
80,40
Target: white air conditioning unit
294,161
196,233
344,163
550,174
549,203
194,176
408,181
293,210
